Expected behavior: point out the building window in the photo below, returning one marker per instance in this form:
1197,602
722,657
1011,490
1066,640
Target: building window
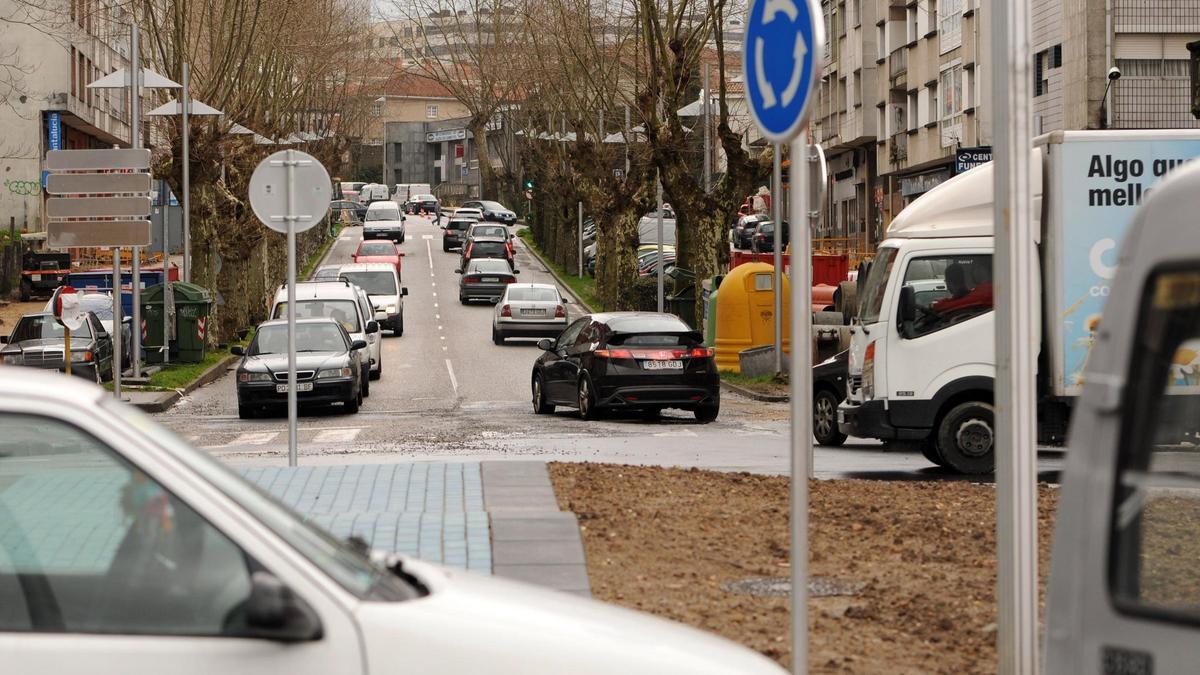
951,87
431,111
914,108
912,24
376,109
950,24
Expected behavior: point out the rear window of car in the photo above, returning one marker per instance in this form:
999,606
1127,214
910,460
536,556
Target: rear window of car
489,249
491,266
656,340
460,224
649,324
533,295
489,231
424,198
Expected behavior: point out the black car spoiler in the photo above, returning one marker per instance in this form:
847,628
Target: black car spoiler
694,336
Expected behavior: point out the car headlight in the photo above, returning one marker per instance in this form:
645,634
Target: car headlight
81,357
253,377
335,372
390,309
11,359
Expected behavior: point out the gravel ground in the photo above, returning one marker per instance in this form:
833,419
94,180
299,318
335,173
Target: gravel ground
11,312
910,565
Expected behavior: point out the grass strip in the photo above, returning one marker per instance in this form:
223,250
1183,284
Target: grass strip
584,289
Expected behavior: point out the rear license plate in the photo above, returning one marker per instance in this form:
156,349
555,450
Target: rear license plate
35,277
533,312
662,365
300,386
490,280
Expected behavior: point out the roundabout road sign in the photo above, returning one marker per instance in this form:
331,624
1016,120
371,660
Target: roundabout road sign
290,186
781,58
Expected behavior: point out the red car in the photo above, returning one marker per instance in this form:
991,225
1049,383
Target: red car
378,250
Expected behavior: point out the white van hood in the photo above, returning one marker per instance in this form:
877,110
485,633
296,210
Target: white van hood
474,624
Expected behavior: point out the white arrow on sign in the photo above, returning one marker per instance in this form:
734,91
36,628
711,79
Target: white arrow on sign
794,84
774,7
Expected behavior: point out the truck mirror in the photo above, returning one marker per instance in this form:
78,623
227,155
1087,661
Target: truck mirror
908,309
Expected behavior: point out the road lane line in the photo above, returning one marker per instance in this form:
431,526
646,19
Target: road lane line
429,250
337,435
453,380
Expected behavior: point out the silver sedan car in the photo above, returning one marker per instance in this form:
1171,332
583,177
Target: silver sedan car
529,310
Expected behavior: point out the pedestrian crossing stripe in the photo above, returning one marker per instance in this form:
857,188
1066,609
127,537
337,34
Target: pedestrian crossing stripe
339,435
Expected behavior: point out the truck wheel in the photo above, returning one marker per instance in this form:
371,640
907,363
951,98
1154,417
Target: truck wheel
26,292
930,452
966,438
825,428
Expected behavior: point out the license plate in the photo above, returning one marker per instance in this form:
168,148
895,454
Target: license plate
490,280
662,365
300,386
35,277
533,312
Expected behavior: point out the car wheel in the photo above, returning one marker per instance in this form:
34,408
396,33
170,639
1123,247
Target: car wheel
445,247
376,374
497,336
650,414
246,412
350,406
707,413
398,326
586,399
366,383
825,428
401,239
463,300
540,406
966,438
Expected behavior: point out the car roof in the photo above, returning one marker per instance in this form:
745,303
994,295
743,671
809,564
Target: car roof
490,239
609,317
332,289
382,204
367,267
315,319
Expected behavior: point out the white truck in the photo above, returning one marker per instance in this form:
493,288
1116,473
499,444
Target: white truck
922,355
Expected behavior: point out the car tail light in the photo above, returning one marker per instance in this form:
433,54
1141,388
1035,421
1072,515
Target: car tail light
560,312
470,280
868,373
613,354
510,280
470,246
506,311
700,352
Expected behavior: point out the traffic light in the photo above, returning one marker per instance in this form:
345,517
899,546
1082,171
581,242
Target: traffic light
528,183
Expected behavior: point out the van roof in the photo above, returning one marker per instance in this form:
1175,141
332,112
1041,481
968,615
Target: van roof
383,204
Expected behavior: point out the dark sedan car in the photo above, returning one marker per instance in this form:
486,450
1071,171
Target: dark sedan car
38,341
485,279
356,210
423,203
829,390
641,361
455,233
763,240
493,211
487,247
743,232
327,367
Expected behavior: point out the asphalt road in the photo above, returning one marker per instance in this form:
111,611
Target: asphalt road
448,393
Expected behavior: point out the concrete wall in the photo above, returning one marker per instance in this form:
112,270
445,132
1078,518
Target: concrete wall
414,109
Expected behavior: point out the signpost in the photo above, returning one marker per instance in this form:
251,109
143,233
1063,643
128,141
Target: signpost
67,314
782,62
290,192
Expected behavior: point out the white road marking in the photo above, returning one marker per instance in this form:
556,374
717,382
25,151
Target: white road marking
453,380
435,304
336,435
436,316
429,250
255,438
443,337
424,236
681,433
439,328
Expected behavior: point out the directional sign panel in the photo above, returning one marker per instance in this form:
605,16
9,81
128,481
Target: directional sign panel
96,183
98,233
781,59
97,207
93,160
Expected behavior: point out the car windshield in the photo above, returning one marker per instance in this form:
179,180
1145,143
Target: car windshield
345,566
492,266
378,282
326,273
310,337
344,311
377,248
44,327
493,206
872,298
489,231
424,198
383,214
533,294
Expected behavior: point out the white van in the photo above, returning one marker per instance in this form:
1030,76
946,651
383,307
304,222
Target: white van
348,304
374,192
384,221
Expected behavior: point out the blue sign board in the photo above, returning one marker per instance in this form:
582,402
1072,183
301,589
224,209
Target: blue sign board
966,159
54,122
782,54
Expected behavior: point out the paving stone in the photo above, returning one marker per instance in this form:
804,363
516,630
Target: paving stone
558,577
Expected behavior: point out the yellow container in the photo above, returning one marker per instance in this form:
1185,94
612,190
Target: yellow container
746,313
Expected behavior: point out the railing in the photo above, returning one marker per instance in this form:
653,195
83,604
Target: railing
857,248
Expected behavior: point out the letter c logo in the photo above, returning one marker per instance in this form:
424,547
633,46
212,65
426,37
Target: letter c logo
1096,258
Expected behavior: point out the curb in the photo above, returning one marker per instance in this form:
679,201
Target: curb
765,398
169,398
550,270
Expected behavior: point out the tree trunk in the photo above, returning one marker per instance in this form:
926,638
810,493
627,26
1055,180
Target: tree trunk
478,129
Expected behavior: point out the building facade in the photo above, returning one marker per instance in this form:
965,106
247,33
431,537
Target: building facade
48,105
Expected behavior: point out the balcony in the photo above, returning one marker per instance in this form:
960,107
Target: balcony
898,149
897,63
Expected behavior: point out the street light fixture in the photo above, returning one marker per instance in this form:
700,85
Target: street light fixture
1114,74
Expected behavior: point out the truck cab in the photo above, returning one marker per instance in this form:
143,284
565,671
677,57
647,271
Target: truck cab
1124,592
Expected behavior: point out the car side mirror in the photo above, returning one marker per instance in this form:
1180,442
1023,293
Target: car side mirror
516,271
237,350
546,344
458,271
401,255
358,344
381,315
403,290
372,327
274,612
907,310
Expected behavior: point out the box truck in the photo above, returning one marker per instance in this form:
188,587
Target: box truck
922,354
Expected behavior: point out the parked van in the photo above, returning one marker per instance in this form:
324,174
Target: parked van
374,192
348,304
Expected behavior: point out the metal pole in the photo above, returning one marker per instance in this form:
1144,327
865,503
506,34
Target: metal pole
135,81
707,103
1016,357
187,182
67,349
627,141
579,238
291,305
167,297
659,196
776,212
802,440
116,334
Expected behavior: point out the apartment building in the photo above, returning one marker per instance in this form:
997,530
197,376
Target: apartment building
48,106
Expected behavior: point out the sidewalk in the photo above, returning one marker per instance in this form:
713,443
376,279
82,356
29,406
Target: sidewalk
497,518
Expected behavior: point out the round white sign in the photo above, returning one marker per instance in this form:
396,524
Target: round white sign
66,308
310,189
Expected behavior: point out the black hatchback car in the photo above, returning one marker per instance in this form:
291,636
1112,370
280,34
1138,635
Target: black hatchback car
455,233
641,361
487,247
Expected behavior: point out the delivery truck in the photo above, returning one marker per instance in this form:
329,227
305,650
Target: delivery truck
1123,595
922,348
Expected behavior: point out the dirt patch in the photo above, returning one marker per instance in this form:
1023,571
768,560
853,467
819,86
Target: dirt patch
919,558
11,312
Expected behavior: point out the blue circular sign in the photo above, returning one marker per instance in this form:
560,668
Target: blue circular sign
781,63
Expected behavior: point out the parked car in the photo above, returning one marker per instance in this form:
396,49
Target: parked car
357,210
487,247
382,285
485,279
38,341
488,230
100,303
627,360
348,304
424,202
763,240
743,233
326,273
129,550
455,233
829,390
493,211
529,310
460,212
384,221
328,367
648,264
380,252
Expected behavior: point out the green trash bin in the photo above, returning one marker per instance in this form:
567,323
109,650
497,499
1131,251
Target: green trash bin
192,305
682,302
708,298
